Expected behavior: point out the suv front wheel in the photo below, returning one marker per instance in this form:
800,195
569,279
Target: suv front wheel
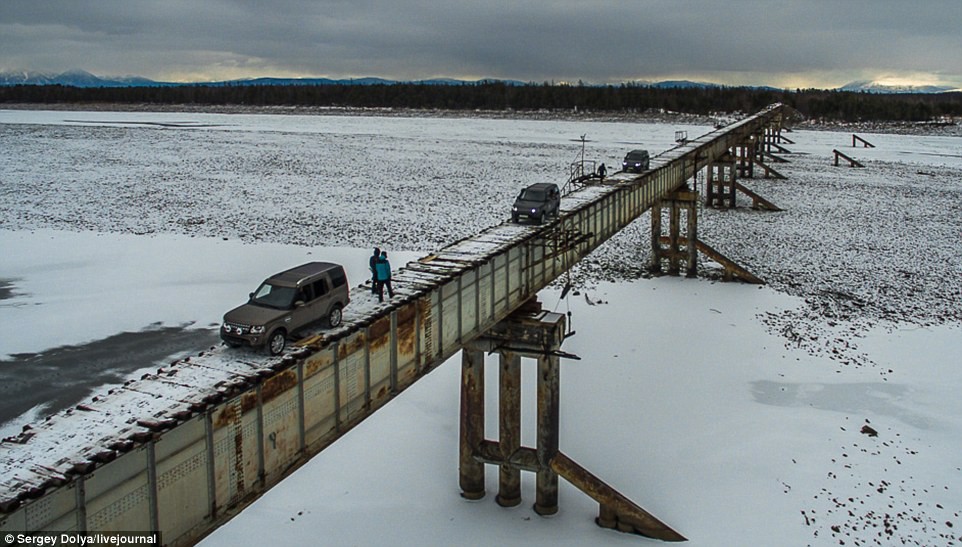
276,342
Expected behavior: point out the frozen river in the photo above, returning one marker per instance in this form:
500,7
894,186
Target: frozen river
124,236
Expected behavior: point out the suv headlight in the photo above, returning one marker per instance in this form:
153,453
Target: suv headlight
258,329
514,208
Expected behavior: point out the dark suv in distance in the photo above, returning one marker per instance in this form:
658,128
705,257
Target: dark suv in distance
636,160
537,202
285,303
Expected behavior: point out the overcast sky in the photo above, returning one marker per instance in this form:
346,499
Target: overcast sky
792,43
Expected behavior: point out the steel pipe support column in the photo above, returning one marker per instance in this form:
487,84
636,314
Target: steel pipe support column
509,412
720,187
656,253
470,470
745,157
691,247
676,202
674,223
549,404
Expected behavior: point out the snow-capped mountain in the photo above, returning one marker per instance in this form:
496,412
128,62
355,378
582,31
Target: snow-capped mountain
73,78
876,87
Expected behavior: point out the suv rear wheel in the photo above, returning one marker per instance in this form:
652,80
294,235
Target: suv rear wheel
276,342
334,316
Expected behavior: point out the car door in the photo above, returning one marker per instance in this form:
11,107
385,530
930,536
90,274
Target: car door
322,299
301,313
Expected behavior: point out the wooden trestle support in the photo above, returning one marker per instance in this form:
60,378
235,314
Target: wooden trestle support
535,334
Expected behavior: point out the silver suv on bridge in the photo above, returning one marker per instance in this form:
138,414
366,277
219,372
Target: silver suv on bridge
285,303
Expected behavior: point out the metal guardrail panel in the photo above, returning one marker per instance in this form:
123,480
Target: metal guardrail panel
182,479
118,494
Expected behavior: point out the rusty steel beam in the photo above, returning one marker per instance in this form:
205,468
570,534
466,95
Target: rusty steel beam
523,458
758,202
549,405
615,507
732,268
471,472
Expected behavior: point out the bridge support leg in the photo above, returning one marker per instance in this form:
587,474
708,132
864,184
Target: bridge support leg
471,471
745,157
509,491
692,224
676,255
773,135
720,186
656,249
533,334
549,404
674,224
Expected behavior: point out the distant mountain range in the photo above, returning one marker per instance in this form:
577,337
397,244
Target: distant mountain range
81,78
875,87
74,78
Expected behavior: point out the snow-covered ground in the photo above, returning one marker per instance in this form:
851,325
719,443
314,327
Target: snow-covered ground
732,412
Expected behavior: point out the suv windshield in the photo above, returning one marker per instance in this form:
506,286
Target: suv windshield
532,195
273,296
636,156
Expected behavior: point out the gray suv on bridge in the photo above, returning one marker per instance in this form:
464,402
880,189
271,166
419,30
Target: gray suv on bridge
285,303
636,160
537,202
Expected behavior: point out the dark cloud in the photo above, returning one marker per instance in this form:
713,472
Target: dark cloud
599,41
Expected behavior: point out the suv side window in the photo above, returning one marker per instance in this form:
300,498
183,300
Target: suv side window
319,287
338,277
304,294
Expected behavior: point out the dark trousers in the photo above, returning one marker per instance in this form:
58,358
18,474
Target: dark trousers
380,289
373,283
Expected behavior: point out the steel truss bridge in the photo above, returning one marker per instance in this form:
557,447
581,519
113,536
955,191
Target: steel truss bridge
216,430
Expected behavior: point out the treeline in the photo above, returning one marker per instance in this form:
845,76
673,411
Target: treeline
814,104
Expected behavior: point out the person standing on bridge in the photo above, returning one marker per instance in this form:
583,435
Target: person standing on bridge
383,268
602,171
373,263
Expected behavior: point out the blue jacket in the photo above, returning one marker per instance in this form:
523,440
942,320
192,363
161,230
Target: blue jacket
383,269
